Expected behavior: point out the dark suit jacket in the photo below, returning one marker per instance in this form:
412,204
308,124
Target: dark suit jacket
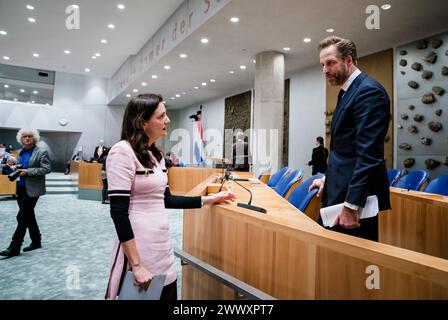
95,153
356,167
319,160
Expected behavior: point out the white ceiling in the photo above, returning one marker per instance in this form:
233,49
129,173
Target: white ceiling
264,25
49,36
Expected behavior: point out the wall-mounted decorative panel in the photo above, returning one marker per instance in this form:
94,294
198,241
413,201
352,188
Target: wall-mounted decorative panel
422,104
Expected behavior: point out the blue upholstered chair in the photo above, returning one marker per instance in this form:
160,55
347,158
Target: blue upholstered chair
414,180
300,197
438,185
287,181
393,174
276,177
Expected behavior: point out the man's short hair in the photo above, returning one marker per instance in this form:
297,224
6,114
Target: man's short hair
345,47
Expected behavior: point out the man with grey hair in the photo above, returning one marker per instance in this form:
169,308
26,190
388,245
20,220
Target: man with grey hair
30,186
100,152
356,166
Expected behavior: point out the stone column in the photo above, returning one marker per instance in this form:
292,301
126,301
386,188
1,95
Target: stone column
268,110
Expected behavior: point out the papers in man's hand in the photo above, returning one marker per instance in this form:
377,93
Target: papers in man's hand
129,291
329,214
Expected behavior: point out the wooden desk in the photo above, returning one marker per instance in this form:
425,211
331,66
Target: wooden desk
74,167
7,187
418,221
287,255
181,179
90,184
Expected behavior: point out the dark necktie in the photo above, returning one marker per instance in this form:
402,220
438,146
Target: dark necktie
341,93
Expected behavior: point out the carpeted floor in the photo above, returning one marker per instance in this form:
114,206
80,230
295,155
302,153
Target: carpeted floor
77,242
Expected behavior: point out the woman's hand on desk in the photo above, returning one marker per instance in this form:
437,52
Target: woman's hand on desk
221,197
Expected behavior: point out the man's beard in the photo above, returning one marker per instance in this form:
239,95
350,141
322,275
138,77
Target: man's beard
339,78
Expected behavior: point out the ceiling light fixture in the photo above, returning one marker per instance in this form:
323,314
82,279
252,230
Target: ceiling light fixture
3,32
144,84
35,55
212,80
254,61
15,99
184,93
307,40
243,67
22,90
286,48
98,54
121,6
135,90
231,72
204,84
103,41
29,7
111,26
154,76
330,30
234,19
5,58
386,6
87,70
204,40
172,98
128,95
167,67
32,20
67,51
177,95
93,57
6,86
196,87
35,92
183,55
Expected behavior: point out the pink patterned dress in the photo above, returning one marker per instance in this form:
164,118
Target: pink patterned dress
127,177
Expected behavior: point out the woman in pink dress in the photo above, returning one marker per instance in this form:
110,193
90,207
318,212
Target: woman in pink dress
139,194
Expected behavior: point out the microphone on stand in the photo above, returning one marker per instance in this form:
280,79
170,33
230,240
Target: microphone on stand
225,177
248,205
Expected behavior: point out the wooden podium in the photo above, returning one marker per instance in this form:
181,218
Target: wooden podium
7,187
289,256
90,184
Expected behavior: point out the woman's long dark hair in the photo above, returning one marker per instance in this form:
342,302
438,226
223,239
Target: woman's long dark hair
140,109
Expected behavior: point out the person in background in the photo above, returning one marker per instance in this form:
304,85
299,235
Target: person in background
105,198
356,167
10,166
30,186
100,152
171,160
76,157
240,149
4,155
139,193
319,157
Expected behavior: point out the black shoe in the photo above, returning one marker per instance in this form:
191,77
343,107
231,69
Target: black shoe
32,246
10,253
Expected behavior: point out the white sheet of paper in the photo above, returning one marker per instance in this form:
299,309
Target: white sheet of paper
329,214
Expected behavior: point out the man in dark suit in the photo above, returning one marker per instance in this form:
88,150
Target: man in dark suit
319,157
240,151
100,152
356,166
